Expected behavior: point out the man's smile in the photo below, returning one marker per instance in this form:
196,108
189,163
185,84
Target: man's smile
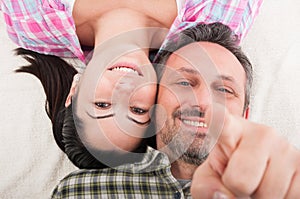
196,125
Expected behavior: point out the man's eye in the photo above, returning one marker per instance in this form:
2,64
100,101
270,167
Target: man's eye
225,90
103,105
138,111
184,83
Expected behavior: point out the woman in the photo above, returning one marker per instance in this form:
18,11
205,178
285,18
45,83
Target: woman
69,28
88,17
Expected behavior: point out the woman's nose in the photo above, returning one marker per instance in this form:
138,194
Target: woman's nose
125,85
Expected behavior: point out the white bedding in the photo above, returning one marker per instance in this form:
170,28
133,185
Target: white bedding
31,163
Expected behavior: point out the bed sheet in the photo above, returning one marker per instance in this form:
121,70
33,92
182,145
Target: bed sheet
31,163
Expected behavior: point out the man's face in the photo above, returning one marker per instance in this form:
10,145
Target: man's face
196,76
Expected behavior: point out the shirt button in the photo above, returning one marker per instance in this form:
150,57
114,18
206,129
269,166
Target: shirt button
177,195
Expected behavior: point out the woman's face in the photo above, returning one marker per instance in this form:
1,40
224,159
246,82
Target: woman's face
115,106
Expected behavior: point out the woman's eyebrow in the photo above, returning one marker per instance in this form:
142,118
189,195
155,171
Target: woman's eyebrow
111,115
140,123
100,117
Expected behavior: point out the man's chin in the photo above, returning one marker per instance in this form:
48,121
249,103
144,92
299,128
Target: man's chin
194,157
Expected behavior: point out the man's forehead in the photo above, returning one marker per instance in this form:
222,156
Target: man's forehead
204,50
205,54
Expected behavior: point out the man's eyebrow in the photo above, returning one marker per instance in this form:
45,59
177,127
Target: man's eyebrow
196,72
189,70
226,78
141,123
100,117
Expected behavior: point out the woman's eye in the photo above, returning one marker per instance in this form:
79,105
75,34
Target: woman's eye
103,105
138,111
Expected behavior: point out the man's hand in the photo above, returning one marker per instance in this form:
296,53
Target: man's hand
249,160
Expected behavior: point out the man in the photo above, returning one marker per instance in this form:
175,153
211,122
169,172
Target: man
193,92
205,69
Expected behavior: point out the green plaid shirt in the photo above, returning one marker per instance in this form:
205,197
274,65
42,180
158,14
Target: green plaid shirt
149,178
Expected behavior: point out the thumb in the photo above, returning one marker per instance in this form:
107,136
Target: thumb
225,133
207,184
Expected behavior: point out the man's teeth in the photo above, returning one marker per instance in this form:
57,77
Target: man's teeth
195,123
124,69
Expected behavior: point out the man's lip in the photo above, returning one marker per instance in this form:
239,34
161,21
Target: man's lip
126,65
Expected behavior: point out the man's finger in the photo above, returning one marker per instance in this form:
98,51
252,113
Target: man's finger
294,190
241,153
225,133
206,184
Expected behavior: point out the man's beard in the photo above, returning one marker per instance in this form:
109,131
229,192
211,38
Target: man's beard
185,145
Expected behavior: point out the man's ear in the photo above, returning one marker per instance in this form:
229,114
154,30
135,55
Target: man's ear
246,113
72,89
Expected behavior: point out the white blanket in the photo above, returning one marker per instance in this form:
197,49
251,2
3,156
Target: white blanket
31,163
273,46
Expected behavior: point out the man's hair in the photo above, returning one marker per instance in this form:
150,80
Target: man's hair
215,33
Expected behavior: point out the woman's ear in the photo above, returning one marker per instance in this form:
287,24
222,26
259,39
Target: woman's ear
72,89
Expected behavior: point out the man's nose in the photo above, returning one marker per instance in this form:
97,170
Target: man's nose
202,98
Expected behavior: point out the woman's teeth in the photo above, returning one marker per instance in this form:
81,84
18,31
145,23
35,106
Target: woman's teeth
125,69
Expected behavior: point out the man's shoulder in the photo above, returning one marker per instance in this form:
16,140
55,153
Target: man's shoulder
94,173
108,182
89,182
151,175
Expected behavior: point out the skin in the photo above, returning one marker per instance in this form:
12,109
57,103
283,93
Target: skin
116,114
254,162
248,160
184,88
120,106
114,103
100,20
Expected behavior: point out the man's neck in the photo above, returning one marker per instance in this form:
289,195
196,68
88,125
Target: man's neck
183,170
179,168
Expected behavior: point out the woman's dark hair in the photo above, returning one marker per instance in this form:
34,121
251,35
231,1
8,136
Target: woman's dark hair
56,76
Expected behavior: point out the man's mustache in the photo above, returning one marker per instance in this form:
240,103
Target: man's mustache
189,113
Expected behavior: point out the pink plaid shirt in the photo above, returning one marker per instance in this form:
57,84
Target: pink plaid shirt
237,14
47,26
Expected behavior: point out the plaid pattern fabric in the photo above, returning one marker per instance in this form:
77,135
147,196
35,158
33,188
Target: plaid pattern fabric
149,178
237,14
44,26
47,26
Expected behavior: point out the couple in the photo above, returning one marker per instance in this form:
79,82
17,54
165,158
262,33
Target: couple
203,95
242,163
71,28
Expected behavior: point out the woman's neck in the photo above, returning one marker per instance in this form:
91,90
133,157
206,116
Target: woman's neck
99,21
124,23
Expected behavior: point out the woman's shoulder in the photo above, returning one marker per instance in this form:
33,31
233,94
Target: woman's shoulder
44,26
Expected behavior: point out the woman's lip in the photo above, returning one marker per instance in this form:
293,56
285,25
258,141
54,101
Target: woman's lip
127,65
